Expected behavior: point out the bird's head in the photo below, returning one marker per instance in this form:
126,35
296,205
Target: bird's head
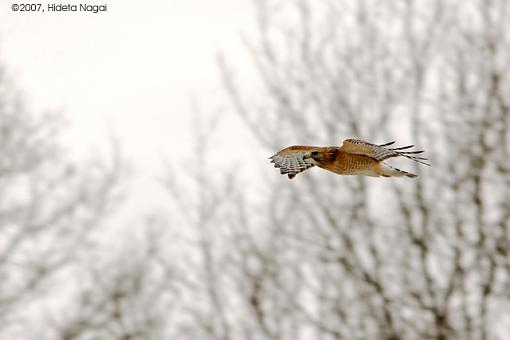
314,155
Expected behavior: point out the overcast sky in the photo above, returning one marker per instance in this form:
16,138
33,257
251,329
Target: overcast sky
130,70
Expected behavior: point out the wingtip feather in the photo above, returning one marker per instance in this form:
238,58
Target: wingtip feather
402,147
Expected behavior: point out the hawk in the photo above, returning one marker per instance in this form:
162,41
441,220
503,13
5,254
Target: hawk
354,157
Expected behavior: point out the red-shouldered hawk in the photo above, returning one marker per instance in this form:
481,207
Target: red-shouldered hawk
354,157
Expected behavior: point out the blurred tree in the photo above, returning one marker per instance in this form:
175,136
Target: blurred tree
124,292
354,258
330,257
166,282
49,205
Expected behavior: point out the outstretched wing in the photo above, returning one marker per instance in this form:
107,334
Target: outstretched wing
380,152
290,160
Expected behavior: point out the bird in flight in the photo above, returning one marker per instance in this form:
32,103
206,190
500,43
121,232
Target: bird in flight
354,157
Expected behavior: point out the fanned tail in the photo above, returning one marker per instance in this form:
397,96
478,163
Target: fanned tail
389,171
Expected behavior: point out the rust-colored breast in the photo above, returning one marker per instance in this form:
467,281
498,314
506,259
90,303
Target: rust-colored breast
349,164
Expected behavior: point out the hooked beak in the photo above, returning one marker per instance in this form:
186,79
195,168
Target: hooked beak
307,155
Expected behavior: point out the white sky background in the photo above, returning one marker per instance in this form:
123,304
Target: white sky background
132,71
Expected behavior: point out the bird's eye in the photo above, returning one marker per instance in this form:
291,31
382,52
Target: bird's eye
314,153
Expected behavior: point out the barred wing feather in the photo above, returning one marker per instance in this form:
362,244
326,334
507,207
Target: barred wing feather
290,160
380,152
